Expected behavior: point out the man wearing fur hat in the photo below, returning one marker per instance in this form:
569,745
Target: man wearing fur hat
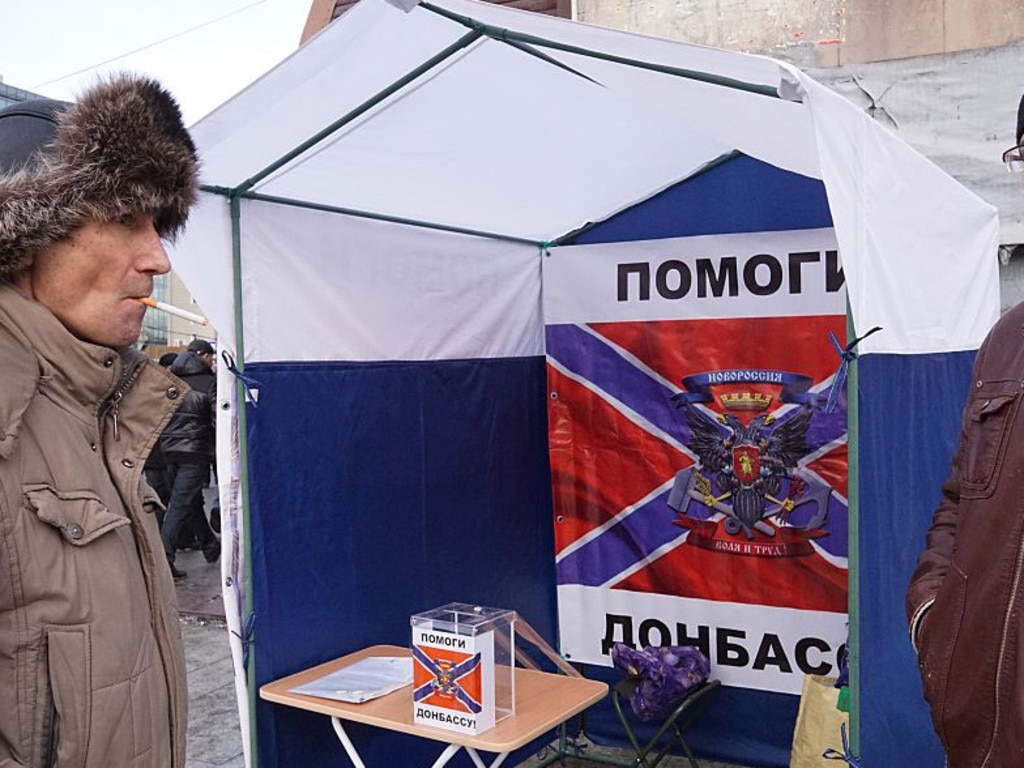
91,660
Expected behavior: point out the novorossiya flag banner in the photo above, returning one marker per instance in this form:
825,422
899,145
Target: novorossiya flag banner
453,680
698,444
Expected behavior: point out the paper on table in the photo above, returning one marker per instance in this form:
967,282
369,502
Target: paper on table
366,679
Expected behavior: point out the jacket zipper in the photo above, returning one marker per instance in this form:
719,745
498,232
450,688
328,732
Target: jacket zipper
1002,647
112,404
50,755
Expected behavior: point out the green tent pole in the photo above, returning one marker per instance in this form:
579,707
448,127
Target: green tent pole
366,106
853,561
511,36
243,472
355,212
477,30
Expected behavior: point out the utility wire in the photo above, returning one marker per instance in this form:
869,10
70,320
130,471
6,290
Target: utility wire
147,47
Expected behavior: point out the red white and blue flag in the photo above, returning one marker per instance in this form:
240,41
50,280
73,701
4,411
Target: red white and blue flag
697,431
447,679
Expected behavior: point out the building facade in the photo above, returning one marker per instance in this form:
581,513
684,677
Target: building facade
11,95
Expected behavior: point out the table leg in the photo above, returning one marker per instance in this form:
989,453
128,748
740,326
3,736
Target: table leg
479,763
442,760
346,742
444,757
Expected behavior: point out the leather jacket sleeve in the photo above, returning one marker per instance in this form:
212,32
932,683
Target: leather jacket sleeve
933,562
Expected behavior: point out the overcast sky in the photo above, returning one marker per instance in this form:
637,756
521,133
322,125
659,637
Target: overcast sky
210,49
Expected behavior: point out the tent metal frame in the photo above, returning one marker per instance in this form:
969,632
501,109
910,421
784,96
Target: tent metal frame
510,36
853,537
477,30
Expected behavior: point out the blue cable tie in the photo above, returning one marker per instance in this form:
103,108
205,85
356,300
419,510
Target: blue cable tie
247,638
252,387
833,754
846,356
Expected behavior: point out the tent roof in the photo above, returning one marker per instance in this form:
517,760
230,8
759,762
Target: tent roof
461,144
483,119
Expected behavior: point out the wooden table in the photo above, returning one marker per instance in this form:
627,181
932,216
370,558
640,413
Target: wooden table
544,701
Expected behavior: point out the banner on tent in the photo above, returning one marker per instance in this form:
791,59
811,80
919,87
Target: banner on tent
697,432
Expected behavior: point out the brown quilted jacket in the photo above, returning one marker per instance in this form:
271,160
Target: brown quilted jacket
91,664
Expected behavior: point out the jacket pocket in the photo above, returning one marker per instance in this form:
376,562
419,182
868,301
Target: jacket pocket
32,666
69,668
154,509
80,516
939,631
62,709
989,418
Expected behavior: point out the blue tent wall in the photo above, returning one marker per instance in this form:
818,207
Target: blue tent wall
909,421
738,195
378,491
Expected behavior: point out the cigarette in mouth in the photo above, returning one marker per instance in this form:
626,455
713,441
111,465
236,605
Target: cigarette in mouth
198,319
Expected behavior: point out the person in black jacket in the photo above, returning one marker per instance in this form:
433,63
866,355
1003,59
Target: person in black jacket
188,445
155,467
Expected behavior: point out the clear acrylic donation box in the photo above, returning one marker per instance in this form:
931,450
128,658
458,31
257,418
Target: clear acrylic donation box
463,659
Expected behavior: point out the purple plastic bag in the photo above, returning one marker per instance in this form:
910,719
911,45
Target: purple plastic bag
663,675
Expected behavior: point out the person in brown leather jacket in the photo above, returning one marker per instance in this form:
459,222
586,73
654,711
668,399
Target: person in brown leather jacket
964,602
92,666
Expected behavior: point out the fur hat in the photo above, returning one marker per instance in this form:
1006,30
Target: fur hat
119,151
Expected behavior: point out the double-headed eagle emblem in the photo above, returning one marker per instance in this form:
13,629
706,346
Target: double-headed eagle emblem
745,470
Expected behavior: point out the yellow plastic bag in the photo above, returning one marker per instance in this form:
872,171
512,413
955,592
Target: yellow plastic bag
817,723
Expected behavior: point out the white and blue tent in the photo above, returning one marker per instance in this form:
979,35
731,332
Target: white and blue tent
369,248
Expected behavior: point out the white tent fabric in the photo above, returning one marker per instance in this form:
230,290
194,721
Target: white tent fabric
398,292
900,220
500,139
955,108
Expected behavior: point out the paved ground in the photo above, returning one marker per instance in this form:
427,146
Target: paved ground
214,738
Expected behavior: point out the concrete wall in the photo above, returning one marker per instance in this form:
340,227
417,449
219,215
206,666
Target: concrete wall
944,75
813,33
